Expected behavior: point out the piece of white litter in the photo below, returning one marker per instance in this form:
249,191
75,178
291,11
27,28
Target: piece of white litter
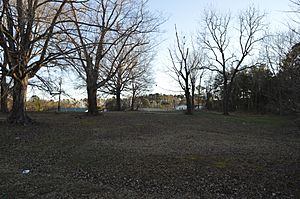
26,171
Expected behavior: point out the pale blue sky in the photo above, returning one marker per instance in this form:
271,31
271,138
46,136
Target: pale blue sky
186,14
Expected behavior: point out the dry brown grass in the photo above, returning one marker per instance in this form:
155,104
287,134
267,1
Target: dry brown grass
150,155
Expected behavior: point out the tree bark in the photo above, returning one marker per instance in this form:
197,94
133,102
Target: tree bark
189,109
225,105
225,98
18,114
193,97
92,100
91,85
4,93
118,99
198,97
132,100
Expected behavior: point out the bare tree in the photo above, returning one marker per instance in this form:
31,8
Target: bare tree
26,30
119,82
275,47
128,74
140,78
295,16
225,58
185,65
99,28
196,63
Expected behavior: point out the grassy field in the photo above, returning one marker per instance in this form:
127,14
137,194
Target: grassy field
150,155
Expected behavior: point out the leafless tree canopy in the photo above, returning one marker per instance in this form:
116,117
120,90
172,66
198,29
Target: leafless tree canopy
92,36
186,64
217,39
133,74
26,30
105,34
295,15
275,48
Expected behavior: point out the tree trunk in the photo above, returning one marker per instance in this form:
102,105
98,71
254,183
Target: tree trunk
225,105
132,101
118,99
189,109
91,85
193,97
4,94
92,100
225,98
18,114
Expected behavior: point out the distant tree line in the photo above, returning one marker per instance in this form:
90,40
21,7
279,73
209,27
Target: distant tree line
161,101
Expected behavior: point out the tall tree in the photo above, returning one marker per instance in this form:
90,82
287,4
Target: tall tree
101,26
140,79
225,58
196,63
130,71
185,64
26,30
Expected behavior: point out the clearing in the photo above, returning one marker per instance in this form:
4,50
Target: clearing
150,155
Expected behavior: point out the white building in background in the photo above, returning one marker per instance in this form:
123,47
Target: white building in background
181,107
